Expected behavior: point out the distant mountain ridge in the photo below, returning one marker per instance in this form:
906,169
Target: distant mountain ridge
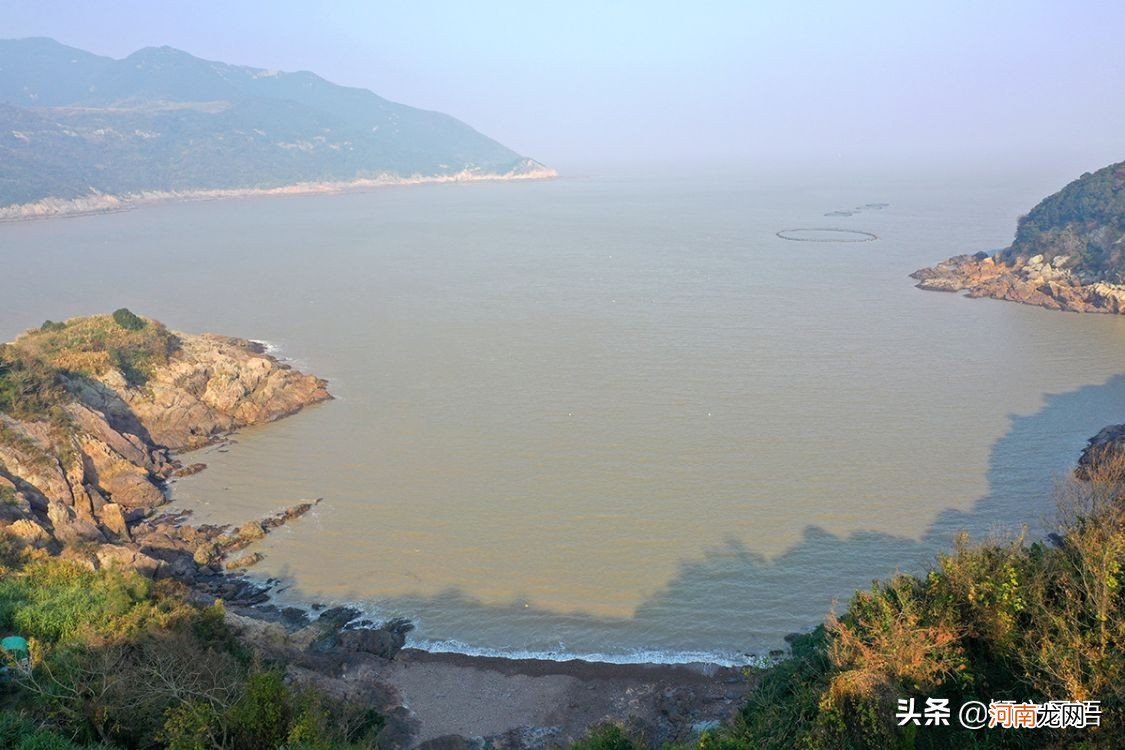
76,126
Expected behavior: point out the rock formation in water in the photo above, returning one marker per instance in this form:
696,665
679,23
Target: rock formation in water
1068,253
90,412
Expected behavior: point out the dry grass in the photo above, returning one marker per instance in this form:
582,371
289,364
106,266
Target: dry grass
93,345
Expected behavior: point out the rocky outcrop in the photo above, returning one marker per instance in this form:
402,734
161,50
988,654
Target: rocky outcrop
1068,252
84,477
210,386
1106,449
1032,281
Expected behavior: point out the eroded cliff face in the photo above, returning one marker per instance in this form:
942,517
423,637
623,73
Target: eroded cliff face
1039,281
95,467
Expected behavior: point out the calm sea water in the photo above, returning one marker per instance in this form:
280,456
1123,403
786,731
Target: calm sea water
608,417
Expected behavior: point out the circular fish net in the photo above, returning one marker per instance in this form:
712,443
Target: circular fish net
818,234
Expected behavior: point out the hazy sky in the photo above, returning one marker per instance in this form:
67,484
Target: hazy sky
582,84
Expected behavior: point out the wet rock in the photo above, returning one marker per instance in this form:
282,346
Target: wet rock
294,616
251,531
337,617
453,742
205,554
187,471
378,642
246,561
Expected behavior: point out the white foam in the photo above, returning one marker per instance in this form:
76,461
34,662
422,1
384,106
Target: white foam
453,646
637,656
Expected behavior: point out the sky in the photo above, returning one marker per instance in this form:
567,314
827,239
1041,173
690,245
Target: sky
583,85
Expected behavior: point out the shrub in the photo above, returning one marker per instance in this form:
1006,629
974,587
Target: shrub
607,737
996,621
91,346
29,389
128,319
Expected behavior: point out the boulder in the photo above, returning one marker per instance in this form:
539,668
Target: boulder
71,528
384,642
30,533
127,558
251,531
112,517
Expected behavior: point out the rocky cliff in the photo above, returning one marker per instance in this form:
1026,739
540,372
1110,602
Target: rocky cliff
1068,252
1033,281
91,411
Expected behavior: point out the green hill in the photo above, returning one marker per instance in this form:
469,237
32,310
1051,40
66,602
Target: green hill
1085,222
75,124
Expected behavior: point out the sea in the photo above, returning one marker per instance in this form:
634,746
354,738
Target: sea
610,416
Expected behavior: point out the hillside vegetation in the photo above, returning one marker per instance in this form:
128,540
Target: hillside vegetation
1000,621
1084,222
74,125
92,345
122,662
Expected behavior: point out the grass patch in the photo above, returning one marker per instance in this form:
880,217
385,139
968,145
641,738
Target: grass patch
91,346
122,662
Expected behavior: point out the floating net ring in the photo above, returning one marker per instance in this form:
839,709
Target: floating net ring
826,234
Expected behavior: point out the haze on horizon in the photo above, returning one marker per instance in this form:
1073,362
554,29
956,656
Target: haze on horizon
586,85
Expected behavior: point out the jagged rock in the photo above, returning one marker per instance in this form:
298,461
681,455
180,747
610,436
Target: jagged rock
115,556
135,491
187,471
385,641
1042,284
113,520
246,561
30,533
251,531
205,554
216,384
97,499
381,643
1106,445
71,528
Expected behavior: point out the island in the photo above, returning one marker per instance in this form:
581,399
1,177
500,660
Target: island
1068,252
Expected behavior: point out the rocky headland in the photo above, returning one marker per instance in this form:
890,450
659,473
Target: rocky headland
1036,281
92,412
1068,252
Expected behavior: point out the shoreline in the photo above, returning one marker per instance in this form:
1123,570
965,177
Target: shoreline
1034,281
65,208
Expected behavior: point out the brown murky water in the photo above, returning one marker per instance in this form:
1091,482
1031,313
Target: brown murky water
608,417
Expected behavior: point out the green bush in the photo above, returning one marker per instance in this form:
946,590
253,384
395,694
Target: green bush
128,320
55,601
29,389
998,621
93,345
607,737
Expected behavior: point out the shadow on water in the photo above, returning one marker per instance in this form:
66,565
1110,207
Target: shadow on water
732,595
